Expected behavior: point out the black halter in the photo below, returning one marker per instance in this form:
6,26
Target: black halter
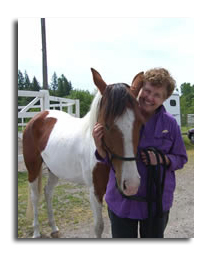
115,156
154,177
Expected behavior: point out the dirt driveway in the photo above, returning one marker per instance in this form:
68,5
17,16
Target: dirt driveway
181,221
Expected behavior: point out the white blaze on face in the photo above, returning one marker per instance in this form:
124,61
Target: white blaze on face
130,178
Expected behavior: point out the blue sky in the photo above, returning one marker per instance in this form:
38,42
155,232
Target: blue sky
118,48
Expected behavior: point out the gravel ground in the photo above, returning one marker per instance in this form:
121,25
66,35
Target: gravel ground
181,219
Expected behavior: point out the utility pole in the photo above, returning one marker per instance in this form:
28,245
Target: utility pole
43,33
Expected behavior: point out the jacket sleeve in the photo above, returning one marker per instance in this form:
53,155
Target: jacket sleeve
177,154
103,160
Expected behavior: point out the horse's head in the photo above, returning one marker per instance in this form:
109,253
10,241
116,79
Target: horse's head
120,115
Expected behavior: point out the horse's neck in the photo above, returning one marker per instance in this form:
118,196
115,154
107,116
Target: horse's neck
94,110
86,146
85,126
90,119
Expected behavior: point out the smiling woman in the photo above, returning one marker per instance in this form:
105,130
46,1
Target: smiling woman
158,86
160,133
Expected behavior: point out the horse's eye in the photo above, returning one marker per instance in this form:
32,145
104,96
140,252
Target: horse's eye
107,127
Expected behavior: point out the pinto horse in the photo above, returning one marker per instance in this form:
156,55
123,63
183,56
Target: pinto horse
65,144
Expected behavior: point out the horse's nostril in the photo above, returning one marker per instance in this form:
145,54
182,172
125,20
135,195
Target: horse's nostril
124,185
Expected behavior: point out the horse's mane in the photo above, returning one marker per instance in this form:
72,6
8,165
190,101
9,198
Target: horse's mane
115,100
94,110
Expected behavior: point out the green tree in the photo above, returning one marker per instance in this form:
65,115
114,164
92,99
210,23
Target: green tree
64,87
54,83
187,98
70,86
85,98
20,80
27,83
35,85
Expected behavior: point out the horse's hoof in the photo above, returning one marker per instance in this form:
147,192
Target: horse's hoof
55,234
37,236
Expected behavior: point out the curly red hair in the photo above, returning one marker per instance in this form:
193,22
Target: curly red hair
160,77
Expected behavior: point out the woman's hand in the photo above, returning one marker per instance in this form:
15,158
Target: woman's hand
153,159
98,133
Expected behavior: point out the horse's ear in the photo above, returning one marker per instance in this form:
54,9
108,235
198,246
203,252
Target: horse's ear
137,83
99,82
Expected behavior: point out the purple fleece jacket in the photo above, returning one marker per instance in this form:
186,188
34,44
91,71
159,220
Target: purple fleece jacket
162,132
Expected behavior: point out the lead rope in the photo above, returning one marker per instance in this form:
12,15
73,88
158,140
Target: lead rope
153,177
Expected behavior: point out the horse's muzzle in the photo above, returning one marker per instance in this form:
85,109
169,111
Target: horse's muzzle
129,189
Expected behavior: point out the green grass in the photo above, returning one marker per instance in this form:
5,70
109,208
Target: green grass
70,204
184,129
188,144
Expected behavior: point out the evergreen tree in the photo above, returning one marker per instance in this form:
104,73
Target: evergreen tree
60,91
35,85
64,87
20,81
27,83
54,83
70,86
187,98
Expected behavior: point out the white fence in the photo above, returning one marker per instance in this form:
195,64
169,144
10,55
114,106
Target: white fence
45,103
190,119
187,120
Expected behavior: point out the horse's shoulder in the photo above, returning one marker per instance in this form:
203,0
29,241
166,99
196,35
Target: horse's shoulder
39,129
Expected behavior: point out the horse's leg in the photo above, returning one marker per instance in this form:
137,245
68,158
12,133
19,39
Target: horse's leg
48,191
100,180
35,198
96,207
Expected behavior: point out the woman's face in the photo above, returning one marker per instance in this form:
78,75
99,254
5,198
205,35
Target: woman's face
151,97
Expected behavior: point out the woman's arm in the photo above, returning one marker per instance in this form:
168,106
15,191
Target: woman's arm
98,133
